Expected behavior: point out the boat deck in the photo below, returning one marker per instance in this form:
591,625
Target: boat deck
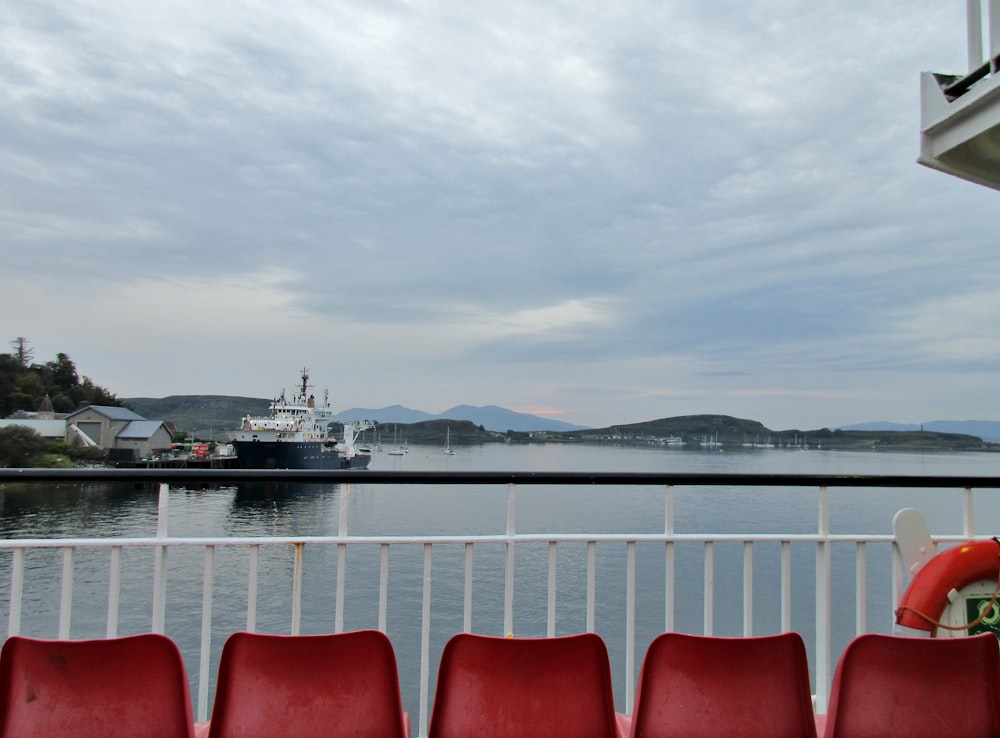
851,575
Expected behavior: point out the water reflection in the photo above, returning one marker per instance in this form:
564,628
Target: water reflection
57,510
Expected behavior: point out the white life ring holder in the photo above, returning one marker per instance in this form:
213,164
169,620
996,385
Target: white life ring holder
934,603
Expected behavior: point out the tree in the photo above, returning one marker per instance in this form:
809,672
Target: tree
22,352
24,385
27,392
19,445
64,374
94,394
9,370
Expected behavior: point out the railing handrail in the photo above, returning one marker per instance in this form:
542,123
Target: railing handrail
521,478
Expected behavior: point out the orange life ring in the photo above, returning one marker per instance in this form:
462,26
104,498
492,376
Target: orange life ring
926,599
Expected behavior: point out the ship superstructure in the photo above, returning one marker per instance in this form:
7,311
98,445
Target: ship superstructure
296,434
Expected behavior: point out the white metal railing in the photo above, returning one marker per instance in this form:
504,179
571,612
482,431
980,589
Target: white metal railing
983,34
982,47
162,545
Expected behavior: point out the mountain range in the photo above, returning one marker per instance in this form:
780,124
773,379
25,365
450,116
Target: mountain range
491,417
218,412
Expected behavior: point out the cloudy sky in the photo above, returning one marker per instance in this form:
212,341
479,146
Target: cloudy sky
611,212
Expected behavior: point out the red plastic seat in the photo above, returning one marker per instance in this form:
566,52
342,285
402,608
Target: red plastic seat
519,687
916,687
709,687
133,687
343,684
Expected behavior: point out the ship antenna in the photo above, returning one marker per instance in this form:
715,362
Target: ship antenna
305,382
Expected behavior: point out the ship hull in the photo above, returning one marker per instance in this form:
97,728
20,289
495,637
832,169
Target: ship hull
295,455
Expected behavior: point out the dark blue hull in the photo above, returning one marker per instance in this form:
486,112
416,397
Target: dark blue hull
293,455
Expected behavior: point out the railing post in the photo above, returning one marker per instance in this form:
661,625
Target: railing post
160,561
708,627
299,549
786,586
629,625
252,579
467,593
206,632
968,514
995,36
508,585
66,598
668,529
383,587
114,591
591,585
974,20
425,642
994,40
860,588
16,592
338,624
550,616
823,651
747,588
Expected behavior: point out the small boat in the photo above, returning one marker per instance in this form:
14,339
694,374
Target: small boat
296,435
448,450
397,450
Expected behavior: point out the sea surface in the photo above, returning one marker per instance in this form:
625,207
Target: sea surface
117,510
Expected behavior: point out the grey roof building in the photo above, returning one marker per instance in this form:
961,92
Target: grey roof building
116,428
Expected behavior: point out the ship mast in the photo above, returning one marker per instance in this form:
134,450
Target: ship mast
305,383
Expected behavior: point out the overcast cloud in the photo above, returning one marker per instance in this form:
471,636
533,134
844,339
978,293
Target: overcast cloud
613,212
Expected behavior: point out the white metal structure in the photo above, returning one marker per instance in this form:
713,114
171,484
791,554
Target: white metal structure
960,115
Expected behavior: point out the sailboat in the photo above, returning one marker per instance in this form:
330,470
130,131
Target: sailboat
397,450
448,450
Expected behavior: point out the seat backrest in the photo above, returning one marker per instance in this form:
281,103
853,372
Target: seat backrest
516,687
710,687
914,687
133,687
342,684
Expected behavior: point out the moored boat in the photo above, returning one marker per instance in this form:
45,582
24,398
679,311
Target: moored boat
296,435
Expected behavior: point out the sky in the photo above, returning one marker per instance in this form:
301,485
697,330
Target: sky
603,212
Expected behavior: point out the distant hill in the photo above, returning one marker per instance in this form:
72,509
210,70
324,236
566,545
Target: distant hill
690,426
208,415
988,430
491,417
734,432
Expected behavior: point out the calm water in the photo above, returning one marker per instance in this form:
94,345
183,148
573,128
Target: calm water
125,510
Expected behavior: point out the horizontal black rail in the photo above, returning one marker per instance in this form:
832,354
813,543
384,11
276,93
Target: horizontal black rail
224,476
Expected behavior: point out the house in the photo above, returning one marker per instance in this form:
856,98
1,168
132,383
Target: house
50,430
45,422
126,435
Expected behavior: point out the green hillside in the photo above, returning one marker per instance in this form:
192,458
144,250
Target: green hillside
207,416
433,433
900,440
689,427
